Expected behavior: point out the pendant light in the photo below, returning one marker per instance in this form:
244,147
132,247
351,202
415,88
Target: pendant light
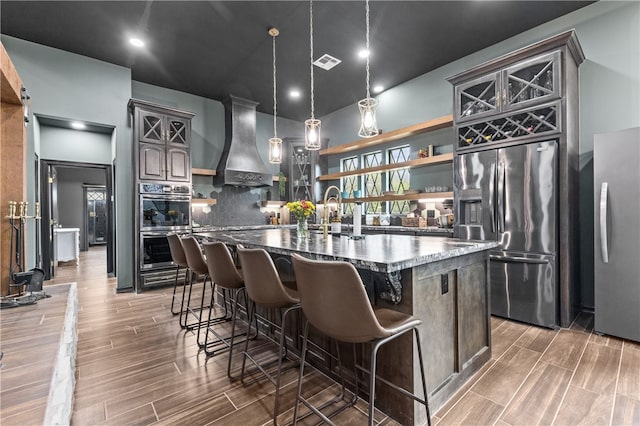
275,143
368,105
312,125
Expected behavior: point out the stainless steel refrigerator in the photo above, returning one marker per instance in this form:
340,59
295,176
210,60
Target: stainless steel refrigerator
616,173
510,195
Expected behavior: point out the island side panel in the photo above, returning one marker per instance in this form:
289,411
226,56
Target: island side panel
473,318
455,337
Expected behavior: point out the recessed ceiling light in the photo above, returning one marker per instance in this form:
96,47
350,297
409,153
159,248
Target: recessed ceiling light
136,42
294,93
378,88
78,125
363,53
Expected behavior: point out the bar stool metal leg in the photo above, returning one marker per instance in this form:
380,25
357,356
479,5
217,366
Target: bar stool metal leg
175,285
282,354
300,398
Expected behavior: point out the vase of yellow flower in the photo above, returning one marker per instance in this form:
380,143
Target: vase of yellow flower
301,210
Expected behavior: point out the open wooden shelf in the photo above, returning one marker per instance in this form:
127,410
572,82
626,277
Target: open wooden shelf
272,203
209,201
436,159
394,135
203,172
419,196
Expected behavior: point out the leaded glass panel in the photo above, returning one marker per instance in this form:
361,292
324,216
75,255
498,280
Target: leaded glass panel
348,183
399,179
372,182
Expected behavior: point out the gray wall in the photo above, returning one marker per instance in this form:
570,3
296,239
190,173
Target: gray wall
69,86
609,33
70,196
73,145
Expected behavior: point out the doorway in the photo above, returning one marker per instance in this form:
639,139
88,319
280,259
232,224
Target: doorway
55,200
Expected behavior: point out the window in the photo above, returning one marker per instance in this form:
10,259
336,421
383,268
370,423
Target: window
372,182
348,183
375,183
399,179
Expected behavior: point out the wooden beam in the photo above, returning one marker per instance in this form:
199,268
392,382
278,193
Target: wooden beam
13,159
11,83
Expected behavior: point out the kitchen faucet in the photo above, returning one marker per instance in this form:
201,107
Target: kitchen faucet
325,224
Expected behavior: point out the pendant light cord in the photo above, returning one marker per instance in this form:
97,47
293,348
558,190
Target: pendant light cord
311,52
275,101
366,8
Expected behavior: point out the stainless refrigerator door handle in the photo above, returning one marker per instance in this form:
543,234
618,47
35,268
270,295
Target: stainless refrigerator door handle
517,259
604,241
491,197
501,197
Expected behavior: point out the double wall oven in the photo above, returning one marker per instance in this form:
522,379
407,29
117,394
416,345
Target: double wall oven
164,208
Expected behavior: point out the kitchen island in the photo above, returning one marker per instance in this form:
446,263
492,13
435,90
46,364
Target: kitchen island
442,281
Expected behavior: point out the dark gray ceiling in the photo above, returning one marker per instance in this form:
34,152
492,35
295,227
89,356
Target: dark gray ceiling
213,48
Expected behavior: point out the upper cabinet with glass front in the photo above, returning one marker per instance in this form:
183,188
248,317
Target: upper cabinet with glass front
523,95
161,142
160,128
524,84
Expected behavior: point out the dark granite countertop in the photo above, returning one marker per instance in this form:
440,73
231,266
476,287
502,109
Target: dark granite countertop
376,252
382,229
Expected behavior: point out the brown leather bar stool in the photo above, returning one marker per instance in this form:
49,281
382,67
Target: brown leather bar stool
180,259
224,274
335,302
198,266
265,289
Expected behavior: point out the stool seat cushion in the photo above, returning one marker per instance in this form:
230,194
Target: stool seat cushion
394,322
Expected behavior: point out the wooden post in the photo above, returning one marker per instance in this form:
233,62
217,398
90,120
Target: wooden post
13,153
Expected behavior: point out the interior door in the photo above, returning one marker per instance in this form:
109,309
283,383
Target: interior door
527,197
53,216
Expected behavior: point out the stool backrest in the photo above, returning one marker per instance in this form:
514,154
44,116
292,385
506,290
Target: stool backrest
177,252
334,300
222,269
193,253
261,278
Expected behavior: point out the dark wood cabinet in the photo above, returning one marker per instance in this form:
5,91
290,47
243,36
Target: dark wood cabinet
526,97
162,136
526,83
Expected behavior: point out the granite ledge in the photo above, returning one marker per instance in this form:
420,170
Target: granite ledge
376,252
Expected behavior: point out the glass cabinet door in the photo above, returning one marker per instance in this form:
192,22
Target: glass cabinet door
533,81
151,127
301,175
177,131
478,97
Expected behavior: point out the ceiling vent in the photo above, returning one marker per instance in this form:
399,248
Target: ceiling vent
326,62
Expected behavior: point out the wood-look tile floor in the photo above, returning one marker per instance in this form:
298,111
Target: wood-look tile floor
135,366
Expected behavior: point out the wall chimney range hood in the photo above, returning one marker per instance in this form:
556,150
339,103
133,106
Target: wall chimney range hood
240,164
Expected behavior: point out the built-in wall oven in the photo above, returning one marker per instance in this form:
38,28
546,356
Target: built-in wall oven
164,208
